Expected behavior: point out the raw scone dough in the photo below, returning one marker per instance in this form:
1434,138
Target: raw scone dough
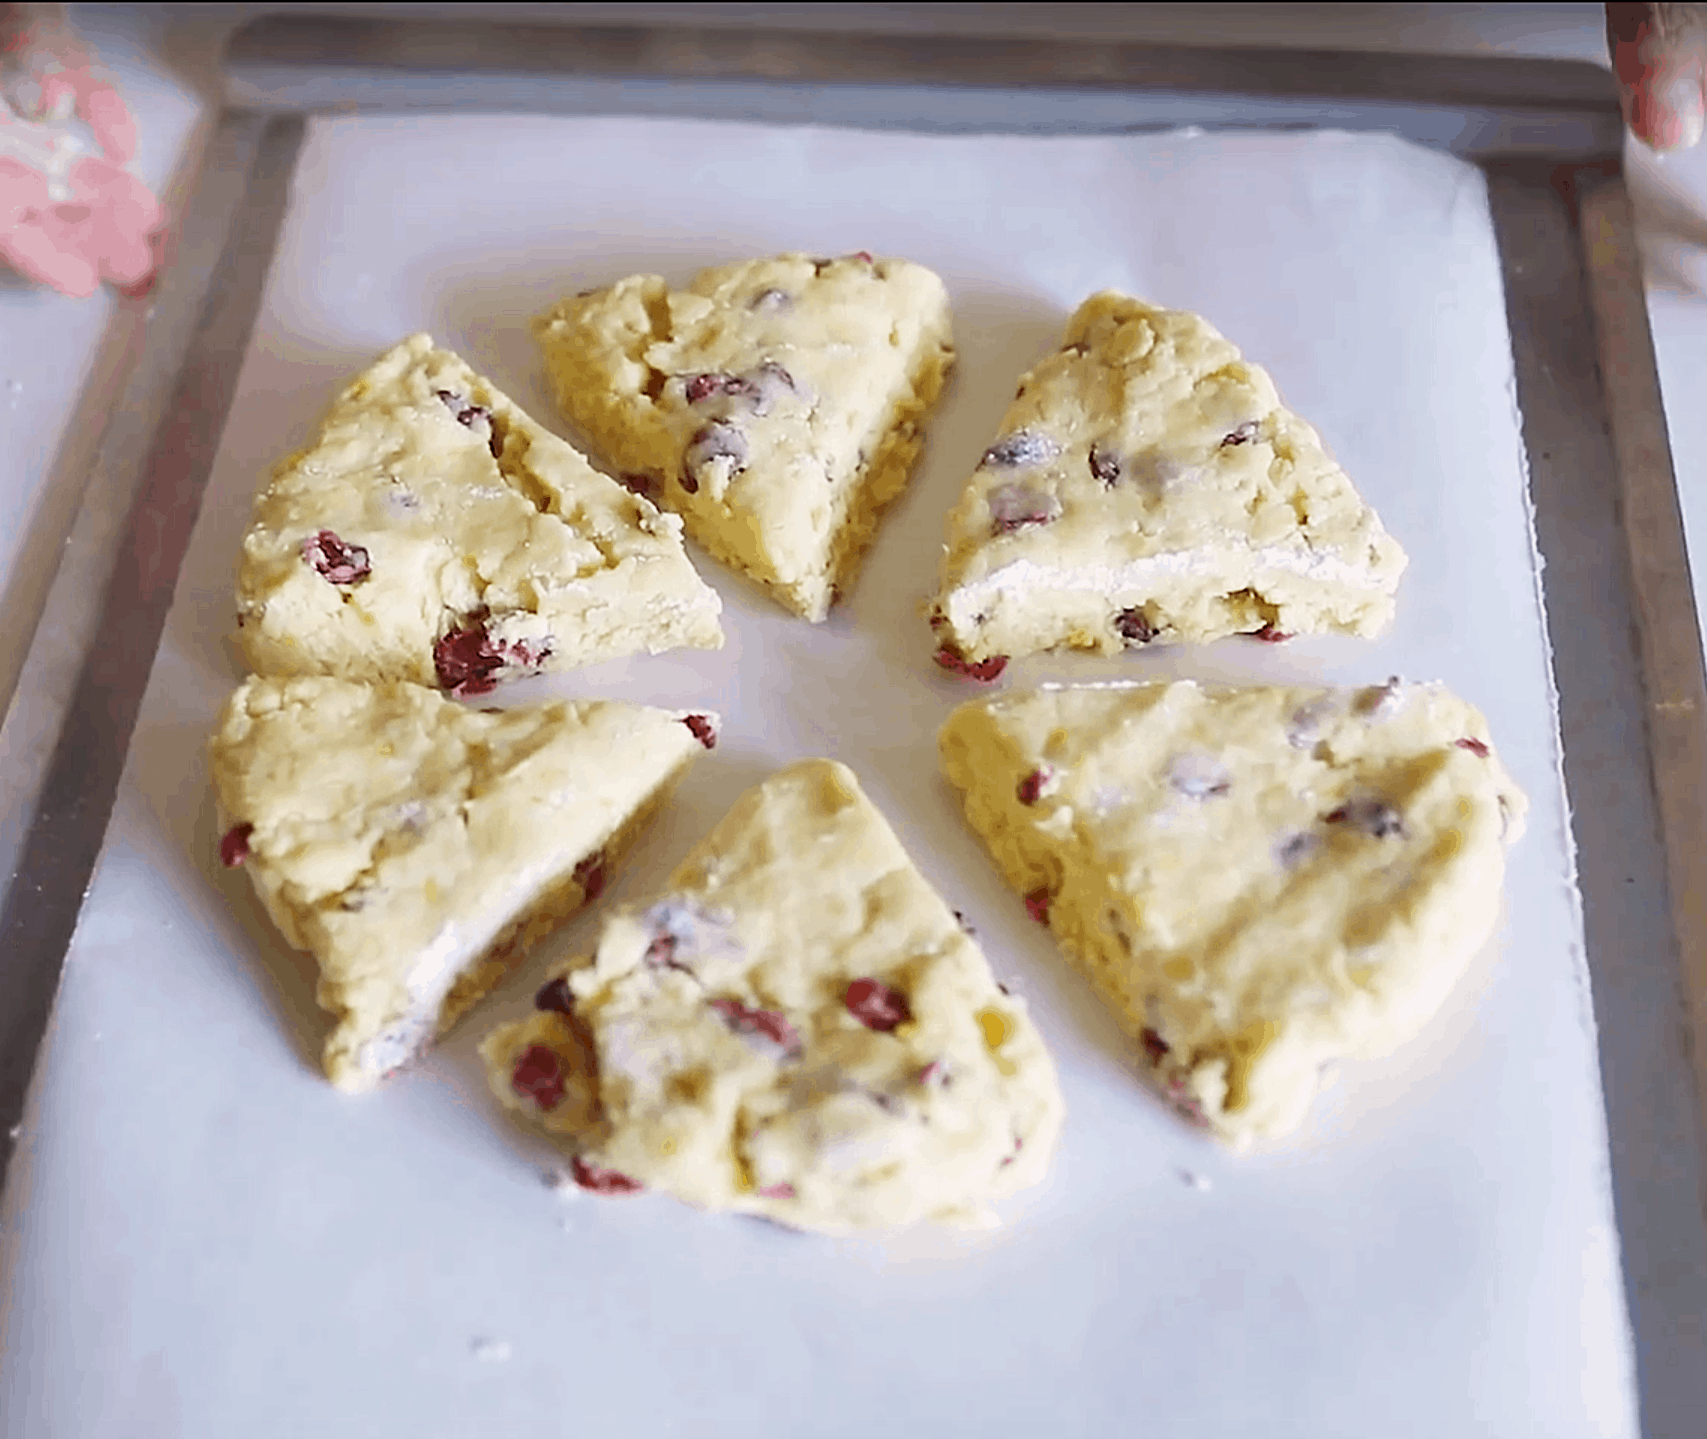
434,533
776,405
417,847
1257,880
799,1028
1149,485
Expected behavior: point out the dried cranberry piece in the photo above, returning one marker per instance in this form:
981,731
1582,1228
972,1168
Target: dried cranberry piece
1037,904
1243,435
702,387
864,255
935,1075
1375,817
682,926
1022,448
538,1076
555,997
234,845
717,441
645,483
1475,746
981,670
703,730
334,560
1269,635
466,412
1134,626
590,875
1032,786
1155,1047
875,1005
470,414
767,382
1105,466
661,953
1014,507
1019,1144
777,1191
602,1181
525,652
765,1022
467,662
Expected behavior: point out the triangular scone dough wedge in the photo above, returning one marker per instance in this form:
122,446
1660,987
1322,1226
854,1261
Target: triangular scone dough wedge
1257,880
798,1028
417,847
1148,484
434,533
776,405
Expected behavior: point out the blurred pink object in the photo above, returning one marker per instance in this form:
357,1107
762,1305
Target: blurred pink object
71,215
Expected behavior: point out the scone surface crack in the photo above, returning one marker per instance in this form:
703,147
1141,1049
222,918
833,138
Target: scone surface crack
434,533
776,405
1148,485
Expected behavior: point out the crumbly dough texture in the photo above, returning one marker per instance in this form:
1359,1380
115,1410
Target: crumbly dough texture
716,1047
1147,484
434,533
776,405
417,847
1257,880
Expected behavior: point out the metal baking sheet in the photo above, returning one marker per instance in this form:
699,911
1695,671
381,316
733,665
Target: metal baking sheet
1421,1266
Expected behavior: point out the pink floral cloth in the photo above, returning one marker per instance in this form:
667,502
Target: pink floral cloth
71,215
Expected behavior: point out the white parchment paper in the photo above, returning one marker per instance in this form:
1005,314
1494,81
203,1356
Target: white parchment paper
204,1239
